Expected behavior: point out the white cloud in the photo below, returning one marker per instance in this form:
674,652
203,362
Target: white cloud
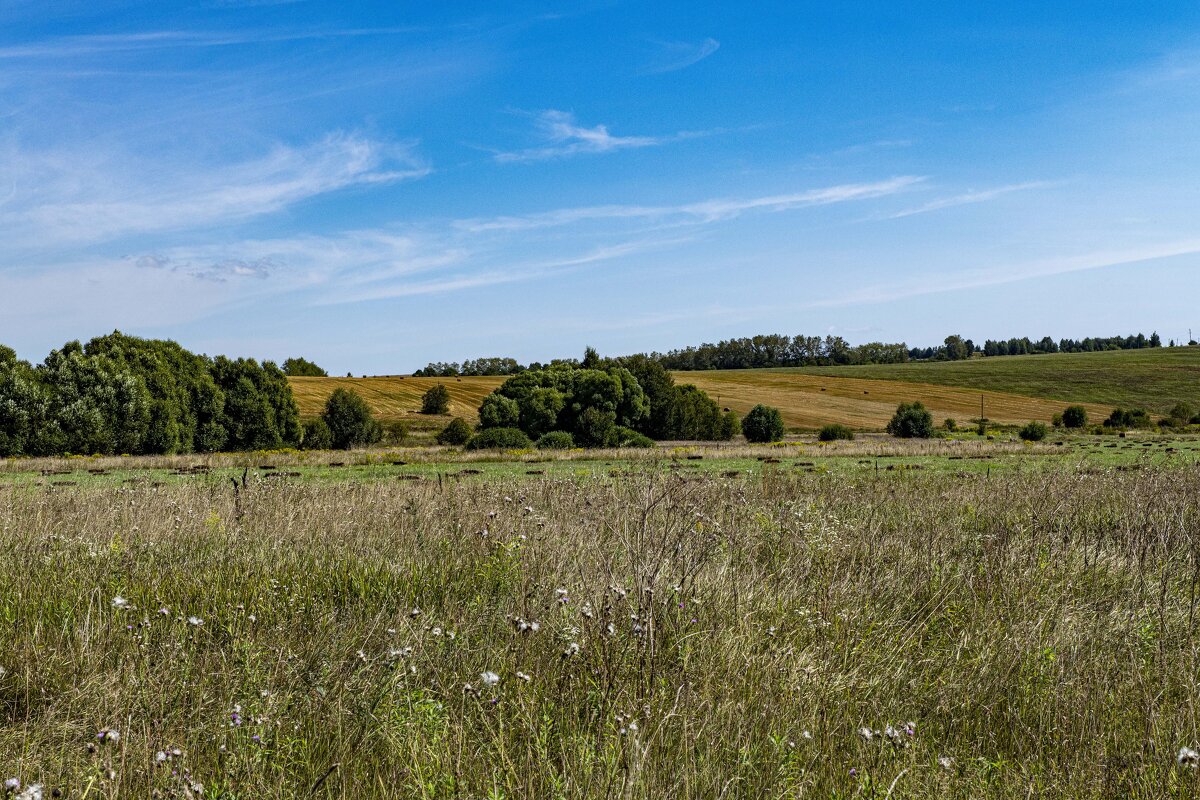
704,211
969,197
568,138
72,198
680,55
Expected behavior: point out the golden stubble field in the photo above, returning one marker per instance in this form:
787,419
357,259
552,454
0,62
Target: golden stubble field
806,400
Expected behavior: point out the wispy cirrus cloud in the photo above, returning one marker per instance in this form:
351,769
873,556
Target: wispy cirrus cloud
67,198
105,44
697,212
675,56
969,197
565,137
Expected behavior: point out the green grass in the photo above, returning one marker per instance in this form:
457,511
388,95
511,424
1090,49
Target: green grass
1023,633
1154,379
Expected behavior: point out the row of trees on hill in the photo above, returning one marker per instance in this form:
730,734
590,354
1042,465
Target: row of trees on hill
121,394
956,348
780,350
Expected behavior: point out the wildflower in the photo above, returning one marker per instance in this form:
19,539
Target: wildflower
946,763
11,785
161,756
806,734
108,736
524,676
235,717
586,611
489,678
572,649
1188,757
164,612
120,603
32,792
195,622
436,631
416,612
866,733
562,595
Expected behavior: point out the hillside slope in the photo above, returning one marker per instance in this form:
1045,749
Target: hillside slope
1154,379
806,400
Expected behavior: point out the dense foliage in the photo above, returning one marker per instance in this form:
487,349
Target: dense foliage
835,432
122,394
350,421
478,366
780,350
763,424
1128,418
1033,432
457,432
555,440
911,421
302,368
1074,417
956,348
500,439
594,399
436,400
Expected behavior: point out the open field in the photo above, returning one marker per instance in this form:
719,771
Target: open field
999,633
806,401
810,401
1154,379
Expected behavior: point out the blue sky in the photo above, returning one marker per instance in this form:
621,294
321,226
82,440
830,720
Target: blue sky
378,185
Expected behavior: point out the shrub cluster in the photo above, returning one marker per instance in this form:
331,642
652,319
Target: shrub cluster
1033,432
436,400
831,433
500,439
911,421
457,433
1128,418
763,424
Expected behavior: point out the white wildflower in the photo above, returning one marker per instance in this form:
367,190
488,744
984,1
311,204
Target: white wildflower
195,622
1187,757
866,733
489,678
119,602
572,650
524,676
12,784
946,763
32,792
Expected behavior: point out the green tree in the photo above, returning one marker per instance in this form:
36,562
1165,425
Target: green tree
763,424
350,421
458,432
498,411
597,428
1033,432
260,412
834,432
316,435
302,368
500,439
1074,417
436,400
911,421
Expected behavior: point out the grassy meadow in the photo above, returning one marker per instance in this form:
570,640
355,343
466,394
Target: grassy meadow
1154,379
788,621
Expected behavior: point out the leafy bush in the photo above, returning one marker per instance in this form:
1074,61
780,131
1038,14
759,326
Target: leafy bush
596,428
1074,417
731,426
498,411
394,432
911,421
350,421
834,432
500,439
1181,414
555,440
302,368
1033,432
436,400
316,435
950,424
457,433
1128,418
627,437
763,424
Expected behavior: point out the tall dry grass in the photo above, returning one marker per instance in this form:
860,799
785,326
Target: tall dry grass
912,635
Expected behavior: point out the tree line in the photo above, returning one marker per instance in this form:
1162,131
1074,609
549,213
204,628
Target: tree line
956,348
120,394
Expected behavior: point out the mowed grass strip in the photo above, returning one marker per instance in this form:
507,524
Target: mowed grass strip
395,397
1155,379
809,401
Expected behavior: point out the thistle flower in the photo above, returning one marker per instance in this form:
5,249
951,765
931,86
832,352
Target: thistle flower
120,603
32,792
1187,757
11,785
195,622
489,678
946,763
108,736
866,733
572,650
